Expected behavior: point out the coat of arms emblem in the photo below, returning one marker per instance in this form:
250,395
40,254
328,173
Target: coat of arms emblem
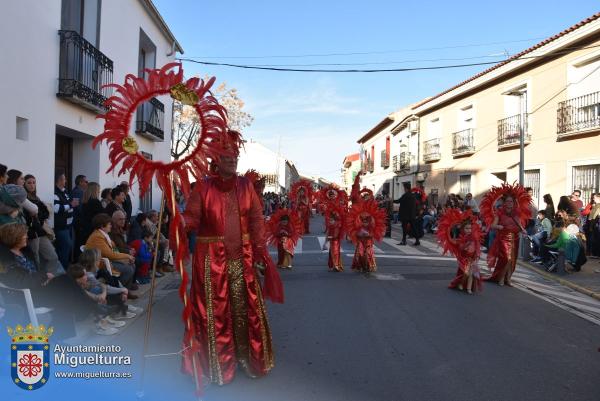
30,356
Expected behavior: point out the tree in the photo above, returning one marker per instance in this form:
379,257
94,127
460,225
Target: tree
186,124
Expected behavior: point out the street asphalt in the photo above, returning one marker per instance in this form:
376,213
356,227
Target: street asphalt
400,334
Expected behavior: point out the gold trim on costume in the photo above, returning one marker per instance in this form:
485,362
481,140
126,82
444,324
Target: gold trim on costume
239,311
213,357
265,331
218,238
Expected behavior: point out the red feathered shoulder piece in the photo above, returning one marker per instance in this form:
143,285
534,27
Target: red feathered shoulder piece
302,184
520,196
366,210
273,226
450,233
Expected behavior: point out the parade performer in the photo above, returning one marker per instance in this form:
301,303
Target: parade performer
365,223
333,196
301,195
224,314
460,234
508,221
334,223
228,308
284,231
357,194
258,182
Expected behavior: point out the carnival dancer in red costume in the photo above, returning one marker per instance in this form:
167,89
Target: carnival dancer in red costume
228,310
366,224
334,223
460,234
301,195
508,222
285,229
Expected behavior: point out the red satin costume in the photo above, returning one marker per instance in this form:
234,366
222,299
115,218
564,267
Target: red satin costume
334,235
505,248
467,258
228,313
303,208
364,255
285,246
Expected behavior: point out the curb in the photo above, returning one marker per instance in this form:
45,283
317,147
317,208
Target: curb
560,280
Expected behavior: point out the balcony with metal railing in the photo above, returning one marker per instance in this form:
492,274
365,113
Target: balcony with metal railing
578,115
431,150
401,162
150,120
463,142
83,72
509,131
385,159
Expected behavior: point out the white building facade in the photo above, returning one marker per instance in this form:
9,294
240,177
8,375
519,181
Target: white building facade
56,57
279,172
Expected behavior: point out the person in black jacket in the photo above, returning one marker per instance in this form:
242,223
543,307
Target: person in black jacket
408,214
40,236
127,205
91,207
63,219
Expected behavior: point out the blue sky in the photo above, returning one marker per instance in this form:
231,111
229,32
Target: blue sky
319,116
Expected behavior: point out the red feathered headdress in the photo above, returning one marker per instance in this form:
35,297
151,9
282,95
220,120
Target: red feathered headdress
371,211
366,194
520,196
420,193
295,226
333,195
452,222
302,184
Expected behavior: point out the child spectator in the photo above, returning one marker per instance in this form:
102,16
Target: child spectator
143,257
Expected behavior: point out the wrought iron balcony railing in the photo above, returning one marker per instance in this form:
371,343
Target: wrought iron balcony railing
431,150
385,159
370,166
83,72
150,120
463,142
509,131
580,114
401,162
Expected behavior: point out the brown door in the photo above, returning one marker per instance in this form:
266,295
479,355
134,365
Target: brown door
63,157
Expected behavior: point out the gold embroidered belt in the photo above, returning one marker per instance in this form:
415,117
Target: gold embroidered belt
219,238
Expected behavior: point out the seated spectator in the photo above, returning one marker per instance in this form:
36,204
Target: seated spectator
118,233
91,260
121,262
550,212
40,234
471,203
545,229
163,243
564,243
137,226
127,205
106,197
118,198
429,219
19,271
567,211
143,257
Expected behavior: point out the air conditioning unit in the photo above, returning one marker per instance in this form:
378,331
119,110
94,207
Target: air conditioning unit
413,126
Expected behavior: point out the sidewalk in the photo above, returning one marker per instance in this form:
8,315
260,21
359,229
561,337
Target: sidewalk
586,281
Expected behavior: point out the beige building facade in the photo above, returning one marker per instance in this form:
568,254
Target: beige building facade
469,135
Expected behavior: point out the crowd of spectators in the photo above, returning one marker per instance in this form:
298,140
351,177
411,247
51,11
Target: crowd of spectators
84,255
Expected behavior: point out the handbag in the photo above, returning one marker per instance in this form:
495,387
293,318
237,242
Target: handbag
49,231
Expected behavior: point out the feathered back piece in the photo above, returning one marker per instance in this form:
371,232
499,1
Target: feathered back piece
297,186
295,226
366,210
331,195
450,233
520,196
257,180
